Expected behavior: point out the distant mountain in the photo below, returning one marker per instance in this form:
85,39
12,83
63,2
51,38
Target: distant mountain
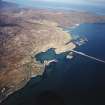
7,5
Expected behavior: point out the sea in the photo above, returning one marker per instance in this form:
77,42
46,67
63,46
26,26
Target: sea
76,81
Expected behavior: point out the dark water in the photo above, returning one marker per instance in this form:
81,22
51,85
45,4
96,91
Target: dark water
80,81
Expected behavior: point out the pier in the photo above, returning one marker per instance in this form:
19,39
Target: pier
88,56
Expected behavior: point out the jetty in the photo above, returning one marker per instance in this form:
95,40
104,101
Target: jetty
88,56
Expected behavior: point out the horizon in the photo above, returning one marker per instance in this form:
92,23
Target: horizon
74,2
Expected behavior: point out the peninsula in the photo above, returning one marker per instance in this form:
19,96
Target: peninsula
25,32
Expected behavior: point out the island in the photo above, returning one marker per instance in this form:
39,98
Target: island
25,32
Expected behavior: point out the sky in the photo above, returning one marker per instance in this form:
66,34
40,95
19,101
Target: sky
64,1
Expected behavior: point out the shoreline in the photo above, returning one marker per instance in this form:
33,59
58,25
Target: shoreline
26,39
32,39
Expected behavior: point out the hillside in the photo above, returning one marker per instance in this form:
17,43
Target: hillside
26,32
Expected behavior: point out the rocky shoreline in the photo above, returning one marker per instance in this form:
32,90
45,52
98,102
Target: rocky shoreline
27,32
19,48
